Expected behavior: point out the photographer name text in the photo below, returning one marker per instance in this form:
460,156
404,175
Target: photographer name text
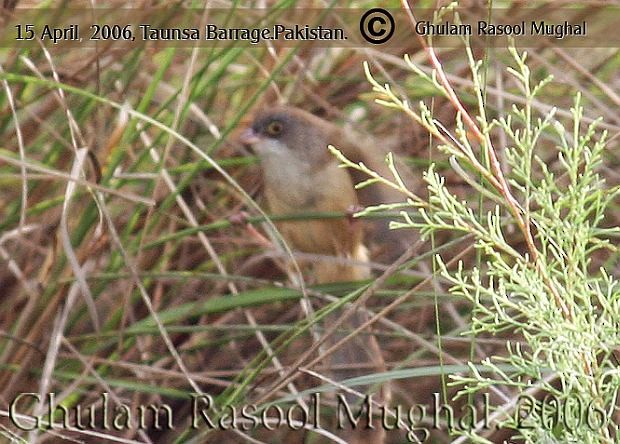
534,28
76,33
414,421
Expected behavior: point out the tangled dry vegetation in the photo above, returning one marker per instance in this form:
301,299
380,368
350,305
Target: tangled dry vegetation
134,265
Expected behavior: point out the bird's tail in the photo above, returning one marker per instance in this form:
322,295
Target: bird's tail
360,355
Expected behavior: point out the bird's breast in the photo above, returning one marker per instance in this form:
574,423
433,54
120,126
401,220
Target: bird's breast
326,190
298,188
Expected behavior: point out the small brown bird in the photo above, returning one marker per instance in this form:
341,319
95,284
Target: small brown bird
301,176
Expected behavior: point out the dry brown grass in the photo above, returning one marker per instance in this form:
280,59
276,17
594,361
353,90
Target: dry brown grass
158,240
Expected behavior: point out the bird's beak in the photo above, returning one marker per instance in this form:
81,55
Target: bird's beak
249,137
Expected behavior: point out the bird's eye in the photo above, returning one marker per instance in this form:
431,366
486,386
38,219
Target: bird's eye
274,128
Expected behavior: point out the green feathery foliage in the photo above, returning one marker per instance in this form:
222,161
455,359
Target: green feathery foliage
562,314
